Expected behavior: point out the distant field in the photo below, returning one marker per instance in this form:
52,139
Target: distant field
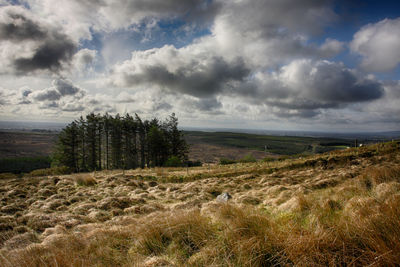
282,145
26,144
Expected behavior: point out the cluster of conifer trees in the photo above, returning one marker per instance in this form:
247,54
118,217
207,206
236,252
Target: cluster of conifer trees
107,142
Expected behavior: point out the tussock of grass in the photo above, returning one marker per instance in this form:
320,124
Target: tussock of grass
181,234
378,175
85,180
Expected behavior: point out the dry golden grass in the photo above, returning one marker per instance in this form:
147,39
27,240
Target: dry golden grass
85,179
341,208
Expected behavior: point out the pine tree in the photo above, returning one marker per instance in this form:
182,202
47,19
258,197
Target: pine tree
176,140
91,139
106,122
142,140
116,142
129,137
82,156
156,143
67,147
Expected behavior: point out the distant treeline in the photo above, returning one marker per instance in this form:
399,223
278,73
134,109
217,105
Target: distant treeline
106,142
24,164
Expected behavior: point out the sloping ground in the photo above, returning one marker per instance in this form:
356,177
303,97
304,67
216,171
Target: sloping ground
341,208
207,153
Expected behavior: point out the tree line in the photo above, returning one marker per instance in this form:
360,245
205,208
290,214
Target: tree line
121,142
24,164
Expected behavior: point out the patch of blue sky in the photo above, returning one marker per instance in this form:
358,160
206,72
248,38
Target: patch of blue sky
181,33
95,43
17,3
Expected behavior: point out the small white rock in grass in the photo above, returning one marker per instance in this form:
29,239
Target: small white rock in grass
224,197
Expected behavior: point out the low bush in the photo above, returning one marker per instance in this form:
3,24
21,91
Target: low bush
24,164
50,171
248,159
196,163
173,161
269,159
225,161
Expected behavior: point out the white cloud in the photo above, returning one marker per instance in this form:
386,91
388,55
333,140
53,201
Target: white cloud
331,47
83,60
379,45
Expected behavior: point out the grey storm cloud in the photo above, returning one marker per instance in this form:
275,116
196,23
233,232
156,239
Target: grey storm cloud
48,56
49,94
49,105
282,113
207,104
20,28
73,107
200,78
50,48
194,79
65,87
2,101
303,87
161,106
332,84
59,89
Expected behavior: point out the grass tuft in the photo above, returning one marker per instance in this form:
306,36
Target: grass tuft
84,179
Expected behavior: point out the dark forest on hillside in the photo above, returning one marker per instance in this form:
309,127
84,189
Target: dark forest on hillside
106,142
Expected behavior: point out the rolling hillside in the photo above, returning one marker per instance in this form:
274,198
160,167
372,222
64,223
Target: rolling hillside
337,208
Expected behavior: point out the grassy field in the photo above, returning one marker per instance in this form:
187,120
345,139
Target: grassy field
338,208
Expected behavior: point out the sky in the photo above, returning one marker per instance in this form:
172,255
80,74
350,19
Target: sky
314,65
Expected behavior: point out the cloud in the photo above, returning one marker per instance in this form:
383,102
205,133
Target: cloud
48,105
125,97
385,110
309,85
331,47
179,70
17,27
29,44
65,87
205,105
269,35
60,88
83,59
48,94
73,107
379,45
123,13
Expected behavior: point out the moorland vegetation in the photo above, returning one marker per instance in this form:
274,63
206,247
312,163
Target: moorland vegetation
338,208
